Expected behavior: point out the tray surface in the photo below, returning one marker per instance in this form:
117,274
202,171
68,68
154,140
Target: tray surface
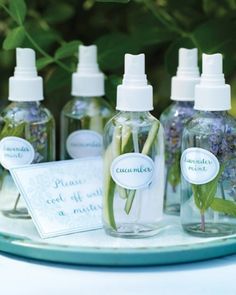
170,246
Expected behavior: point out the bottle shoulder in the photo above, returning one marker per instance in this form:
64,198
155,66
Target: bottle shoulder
132,119
177,113
87,107
211,122
26,112
213,131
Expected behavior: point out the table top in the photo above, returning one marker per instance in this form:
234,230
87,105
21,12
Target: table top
22,277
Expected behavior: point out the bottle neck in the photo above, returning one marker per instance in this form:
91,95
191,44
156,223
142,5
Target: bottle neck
26,104
212,113
184,104
86,98
134,115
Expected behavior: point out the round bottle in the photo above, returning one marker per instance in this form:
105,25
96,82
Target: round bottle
208,161
133,159
173,120
83,118
27,131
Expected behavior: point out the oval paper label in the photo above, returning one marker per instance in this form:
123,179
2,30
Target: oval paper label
132,170
199,166
15,151
84,143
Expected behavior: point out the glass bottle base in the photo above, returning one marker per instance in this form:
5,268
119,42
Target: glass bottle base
172,209
133,231
21,213
211,229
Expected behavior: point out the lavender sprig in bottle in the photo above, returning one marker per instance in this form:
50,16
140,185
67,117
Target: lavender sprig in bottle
208,161
27,131
174,119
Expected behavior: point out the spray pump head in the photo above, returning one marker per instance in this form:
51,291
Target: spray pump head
187,76
212,94
25,85
134,94
87,80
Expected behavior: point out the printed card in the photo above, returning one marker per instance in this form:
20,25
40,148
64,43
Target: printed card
62,197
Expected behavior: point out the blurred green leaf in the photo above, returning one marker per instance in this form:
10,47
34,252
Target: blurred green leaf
112,48
209,6
14,38
171,55
18,10
218,8
58,12
67,49
152,35
43,62
212,36
45,37
111,84
57,79
116,1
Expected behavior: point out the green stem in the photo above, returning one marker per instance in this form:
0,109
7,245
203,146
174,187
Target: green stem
126,135
16,203
162,19
151,137
35,44
203,224
45,54
8,12
129,202
96,121
109,190
145,151
109,186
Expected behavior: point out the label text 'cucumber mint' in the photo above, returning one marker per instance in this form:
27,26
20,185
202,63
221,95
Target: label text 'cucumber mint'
15,151
199,166
84,143
132,170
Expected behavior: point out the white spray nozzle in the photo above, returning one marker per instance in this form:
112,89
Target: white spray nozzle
25,57
25,85
134,64
88,80
134,70
134,94
88,59
183,84
212,69
25,63
212,94
212,64
188,62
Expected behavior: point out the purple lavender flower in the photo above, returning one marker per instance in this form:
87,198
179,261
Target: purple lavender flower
222,141
173,122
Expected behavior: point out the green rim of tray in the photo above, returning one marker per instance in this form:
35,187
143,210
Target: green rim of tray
44,251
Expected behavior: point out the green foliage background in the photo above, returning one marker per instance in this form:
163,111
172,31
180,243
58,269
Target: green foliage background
156,27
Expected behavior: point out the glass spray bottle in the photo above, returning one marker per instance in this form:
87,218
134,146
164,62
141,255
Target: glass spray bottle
173,120
208,161
27,131
133,159
83,118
